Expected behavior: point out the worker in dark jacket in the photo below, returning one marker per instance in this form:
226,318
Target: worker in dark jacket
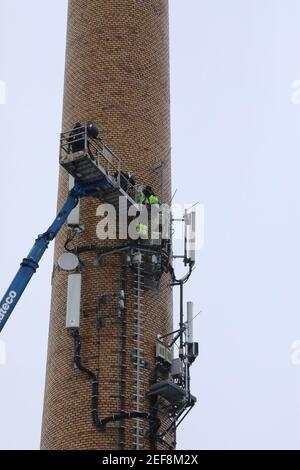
148,197
76,138
148,192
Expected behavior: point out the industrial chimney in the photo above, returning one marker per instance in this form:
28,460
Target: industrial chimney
117,76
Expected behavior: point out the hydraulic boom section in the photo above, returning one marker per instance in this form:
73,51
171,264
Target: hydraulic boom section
30,264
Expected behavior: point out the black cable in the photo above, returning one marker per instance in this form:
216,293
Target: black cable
184,280
102,251
155,422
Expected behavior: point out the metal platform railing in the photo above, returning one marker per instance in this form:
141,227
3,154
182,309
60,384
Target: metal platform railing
78,140
90,159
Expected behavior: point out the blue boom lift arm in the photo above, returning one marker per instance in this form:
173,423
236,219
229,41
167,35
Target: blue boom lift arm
30,264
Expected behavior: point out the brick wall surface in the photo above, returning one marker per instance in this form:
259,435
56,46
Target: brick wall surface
117,74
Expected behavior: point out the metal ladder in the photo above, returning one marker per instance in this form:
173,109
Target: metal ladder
138,354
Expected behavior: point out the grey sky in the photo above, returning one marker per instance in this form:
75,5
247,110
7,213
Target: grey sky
236,150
